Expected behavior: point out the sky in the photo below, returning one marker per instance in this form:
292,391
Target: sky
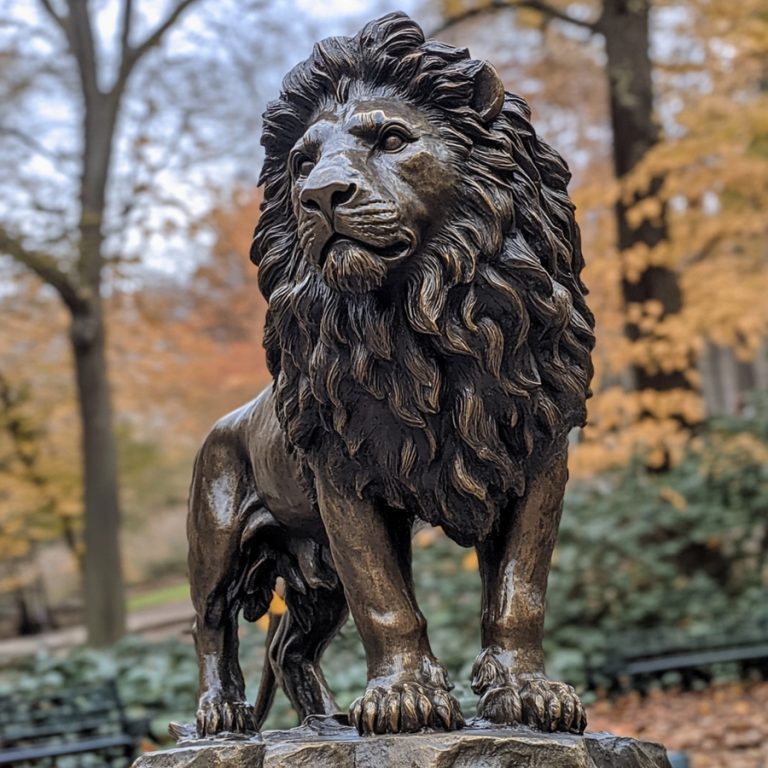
334,10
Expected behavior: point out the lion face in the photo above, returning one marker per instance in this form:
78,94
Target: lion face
369,179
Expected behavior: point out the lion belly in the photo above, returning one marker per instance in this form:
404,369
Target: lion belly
276,471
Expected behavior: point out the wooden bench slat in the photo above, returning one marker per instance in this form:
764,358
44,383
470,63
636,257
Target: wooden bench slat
77,721
23,754
635,658
697,659
25,733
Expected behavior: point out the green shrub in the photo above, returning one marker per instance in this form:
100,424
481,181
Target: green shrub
684,551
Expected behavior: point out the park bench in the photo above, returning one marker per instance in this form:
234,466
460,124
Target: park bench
84,727
638,660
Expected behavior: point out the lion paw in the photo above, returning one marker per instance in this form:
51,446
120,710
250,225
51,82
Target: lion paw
217,715
405,708
539,703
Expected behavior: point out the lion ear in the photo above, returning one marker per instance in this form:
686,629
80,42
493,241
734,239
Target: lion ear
488,97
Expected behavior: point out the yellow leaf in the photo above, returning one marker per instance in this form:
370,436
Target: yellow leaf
469,561
673,497
277,607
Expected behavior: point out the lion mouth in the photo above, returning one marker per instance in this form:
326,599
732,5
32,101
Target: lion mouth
353,266
397,251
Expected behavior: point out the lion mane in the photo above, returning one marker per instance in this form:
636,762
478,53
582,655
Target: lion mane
442,397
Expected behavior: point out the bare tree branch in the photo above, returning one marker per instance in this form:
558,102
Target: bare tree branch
125,32
556,13
35,145
45,267
541,6
80,36
132,55
51,11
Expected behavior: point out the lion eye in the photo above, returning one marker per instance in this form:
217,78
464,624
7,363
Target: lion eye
392,141
304,166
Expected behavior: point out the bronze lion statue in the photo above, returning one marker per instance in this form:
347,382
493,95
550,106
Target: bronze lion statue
430,346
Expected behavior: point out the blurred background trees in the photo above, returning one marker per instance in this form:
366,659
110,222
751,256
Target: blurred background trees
126,212
678,78
77,278
83,182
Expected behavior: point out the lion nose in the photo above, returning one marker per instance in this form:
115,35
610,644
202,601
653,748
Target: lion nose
326,194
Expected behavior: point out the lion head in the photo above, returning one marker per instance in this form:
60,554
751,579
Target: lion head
371,177
427,328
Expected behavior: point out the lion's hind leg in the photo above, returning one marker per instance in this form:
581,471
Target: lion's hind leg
312,620
218,512
316,608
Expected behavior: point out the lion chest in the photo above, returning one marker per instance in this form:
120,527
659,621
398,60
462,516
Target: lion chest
430,463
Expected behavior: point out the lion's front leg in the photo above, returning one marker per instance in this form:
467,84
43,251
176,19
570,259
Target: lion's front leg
407,687
509,673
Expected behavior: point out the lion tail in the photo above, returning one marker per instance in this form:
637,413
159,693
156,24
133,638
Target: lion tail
268,684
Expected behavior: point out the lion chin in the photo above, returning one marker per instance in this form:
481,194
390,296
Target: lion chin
351,267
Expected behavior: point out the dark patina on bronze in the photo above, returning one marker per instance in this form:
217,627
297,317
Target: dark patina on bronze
430,347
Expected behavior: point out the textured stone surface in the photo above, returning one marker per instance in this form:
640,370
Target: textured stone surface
209,754
328,745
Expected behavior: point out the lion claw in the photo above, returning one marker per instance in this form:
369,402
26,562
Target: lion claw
501,705
545,705
216,715
405,708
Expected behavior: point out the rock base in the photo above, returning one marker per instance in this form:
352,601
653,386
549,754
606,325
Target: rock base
326,744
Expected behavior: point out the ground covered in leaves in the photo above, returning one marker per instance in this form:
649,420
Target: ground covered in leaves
725,726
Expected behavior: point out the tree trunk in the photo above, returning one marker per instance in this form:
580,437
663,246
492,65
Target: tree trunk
103,593
625,26
104,599
81,293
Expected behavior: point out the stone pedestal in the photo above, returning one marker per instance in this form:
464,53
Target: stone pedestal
329,745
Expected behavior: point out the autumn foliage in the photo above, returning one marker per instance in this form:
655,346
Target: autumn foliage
181,356
715,728
711,187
